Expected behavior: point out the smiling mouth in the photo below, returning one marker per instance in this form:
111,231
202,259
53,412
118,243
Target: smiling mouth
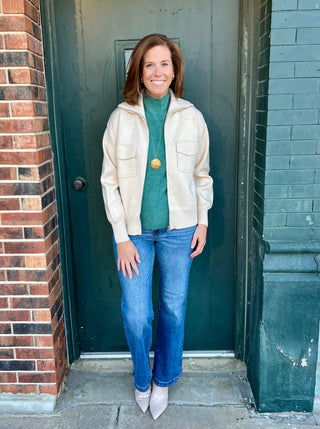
158,82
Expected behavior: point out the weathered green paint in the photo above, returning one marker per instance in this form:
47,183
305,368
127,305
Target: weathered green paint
282,276
56,136
244,243
85,59
288,341
258,24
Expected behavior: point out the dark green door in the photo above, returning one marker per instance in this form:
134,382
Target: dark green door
93,37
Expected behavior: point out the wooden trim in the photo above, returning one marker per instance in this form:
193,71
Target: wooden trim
56,134
246,133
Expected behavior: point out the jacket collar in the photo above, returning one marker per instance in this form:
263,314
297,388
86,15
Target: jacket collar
175,104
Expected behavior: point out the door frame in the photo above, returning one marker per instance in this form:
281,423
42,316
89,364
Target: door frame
244,182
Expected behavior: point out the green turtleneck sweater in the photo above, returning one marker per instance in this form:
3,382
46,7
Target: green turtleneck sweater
154,208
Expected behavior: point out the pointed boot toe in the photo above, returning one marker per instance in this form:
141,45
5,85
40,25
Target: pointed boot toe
158,401
143,399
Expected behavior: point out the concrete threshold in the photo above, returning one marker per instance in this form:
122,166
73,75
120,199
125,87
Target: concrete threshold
189,364
213,393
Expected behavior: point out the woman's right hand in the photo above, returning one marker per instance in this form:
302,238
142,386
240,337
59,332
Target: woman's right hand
127,257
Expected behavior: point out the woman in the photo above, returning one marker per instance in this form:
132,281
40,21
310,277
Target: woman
157,192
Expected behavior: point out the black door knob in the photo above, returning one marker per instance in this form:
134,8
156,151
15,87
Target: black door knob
79,183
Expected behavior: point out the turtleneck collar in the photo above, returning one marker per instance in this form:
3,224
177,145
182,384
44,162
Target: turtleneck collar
156,102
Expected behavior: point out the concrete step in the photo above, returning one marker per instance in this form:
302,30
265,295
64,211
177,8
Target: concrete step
213,393
205,382
190,364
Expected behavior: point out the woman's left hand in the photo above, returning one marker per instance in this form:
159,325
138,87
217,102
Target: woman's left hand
198,240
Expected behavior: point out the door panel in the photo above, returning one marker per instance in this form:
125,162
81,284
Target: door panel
89,34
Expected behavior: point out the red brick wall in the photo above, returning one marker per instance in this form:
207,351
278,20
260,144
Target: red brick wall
32,337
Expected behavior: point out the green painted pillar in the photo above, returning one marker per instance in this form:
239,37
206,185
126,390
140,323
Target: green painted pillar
284,303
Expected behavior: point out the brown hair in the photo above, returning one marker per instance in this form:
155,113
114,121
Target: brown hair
133,86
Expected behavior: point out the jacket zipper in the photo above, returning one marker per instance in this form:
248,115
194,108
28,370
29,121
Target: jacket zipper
166,154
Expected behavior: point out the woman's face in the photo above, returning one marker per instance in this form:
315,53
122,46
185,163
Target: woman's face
157,71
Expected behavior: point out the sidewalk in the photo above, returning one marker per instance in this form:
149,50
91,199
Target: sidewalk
213,393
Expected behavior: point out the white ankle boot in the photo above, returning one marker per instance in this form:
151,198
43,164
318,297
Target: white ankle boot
158,400
143,399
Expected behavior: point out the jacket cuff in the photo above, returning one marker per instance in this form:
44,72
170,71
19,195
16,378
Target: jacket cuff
120,232
202,216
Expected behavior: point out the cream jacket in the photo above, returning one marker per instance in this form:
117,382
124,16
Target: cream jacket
125,151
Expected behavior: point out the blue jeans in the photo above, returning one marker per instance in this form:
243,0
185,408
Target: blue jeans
172,250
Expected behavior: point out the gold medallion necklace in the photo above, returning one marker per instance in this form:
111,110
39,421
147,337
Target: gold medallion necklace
156,163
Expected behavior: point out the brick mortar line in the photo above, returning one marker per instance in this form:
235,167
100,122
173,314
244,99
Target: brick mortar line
38,149
23,118
292,10
13,181
29,254
20,296
29,347
25,371
23,211
10,109
13,67
31,383
37,225
22,335
28,359
24,283
10,118
292,125
286,125
22,240
25,165
291,77
22,196
28,322
24,268
22,151
27,226
284,45
27,309
13,85
23,101
37,133
11,15
27,268
290,110
18,309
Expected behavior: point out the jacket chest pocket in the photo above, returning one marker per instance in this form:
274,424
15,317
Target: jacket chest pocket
186,155
126,160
